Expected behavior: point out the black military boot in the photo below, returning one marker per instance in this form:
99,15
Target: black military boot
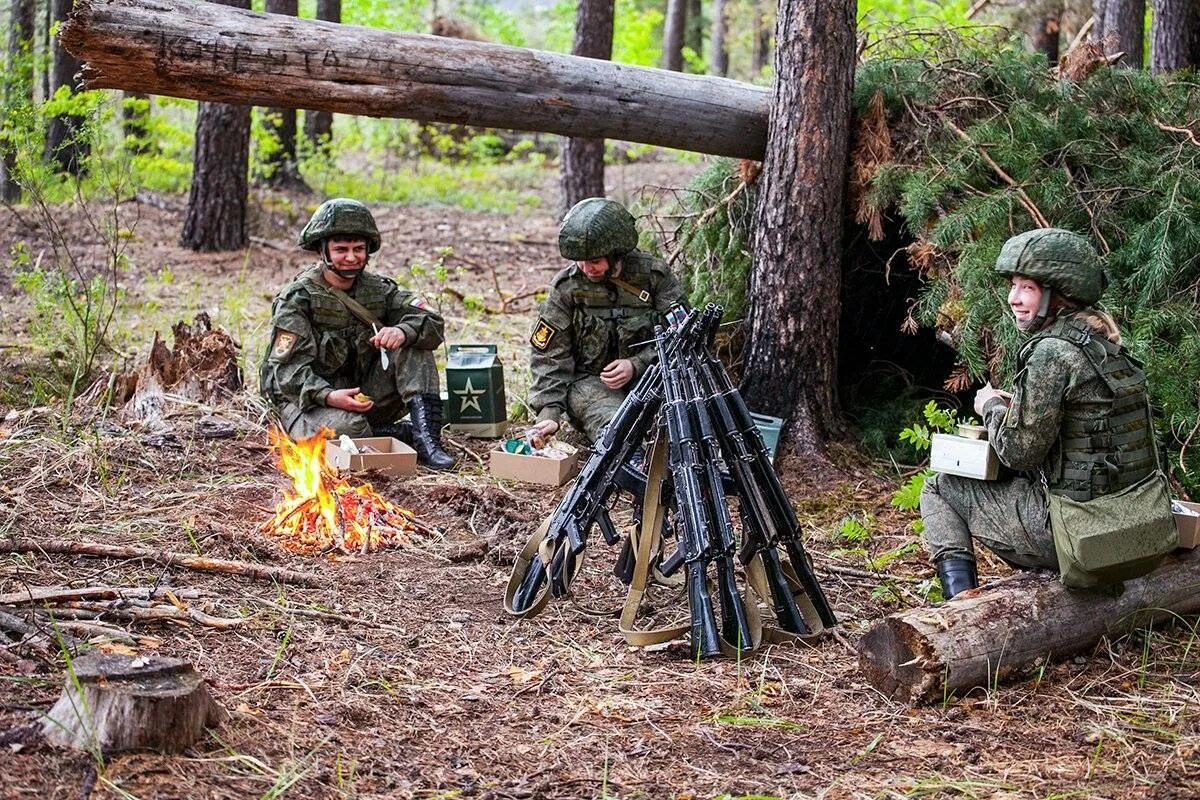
397,430
425,411
957,575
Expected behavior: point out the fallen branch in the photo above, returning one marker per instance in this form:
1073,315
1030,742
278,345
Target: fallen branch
152,614
242,568
59,594
1026,201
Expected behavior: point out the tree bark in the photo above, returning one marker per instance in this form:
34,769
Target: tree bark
117,702
206,52
217,198
318,125
718,53
282,167
1099,17
791,359
674,30
1124,30
693,37
18,87
582,159
1174,35
985,636
64,145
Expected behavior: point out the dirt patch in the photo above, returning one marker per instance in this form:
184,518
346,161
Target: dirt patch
401,676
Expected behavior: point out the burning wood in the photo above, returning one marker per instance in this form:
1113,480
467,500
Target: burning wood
323,512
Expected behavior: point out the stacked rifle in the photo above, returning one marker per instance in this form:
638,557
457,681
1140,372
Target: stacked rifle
715,455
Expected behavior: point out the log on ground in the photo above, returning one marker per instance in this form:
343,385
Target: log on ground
116,702
211,52
998,632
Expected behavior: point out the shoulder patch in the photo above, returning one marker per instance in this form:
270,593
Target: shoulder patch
284,341
542,335
418,302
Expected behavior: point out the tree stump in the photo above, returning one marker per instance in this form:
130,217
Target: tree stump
117,702
987,635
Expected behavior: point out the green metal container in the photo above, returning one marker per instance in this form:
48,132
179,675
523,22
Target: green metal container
475,403
769,427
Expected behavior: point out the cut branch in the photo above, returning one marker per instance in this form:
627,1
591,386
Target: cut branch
1025,199
216,53
242,568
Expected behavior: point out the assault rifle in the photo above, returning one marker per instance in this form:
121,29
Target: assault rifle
768,518
606,471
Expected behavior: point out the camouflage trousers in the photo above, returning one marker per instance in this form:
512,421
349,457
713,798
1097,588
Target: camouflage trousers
409,373
1009,517
591,404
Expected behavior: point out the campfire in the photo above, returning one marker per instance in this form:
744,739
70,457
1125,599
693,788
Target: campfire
322,512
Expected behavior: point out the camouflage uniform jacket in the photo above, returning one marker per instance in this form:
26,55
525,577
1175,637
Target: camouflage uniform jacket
583,326
315,339
1078,413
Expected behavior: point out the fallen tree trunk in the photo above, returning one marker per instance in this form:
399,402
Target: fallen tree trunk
986,636
243,568
210,52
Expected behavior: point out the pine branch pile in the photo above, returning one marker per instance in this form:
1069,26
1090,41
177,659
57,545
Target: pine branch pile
986,141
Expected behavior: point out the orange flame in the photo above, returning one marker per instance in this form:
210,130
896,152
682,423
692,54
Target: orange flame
324,512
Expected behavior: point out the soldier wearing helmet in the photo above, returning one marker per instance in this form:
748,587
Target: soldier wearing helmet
350,350
593,332
1076,423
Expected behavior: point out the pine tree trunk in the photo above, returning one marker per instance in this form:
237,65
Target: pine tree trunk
282,168
18,86
63,145
1044,35
1174,35
791,361
582,160
718,54
1099,15
693,38
761,43
674,27
216,212
318,125
1125,30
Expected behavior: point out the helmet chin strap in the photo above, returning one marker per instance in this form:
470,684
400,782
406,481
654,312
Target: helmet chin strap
1039,320
345,274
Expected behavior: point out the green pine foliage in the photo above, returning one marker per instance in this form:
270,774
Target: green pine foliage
987,137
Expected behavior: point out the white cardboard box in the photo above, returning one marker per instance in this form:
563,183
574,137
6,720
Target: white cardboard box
1188,524
382,453
958,455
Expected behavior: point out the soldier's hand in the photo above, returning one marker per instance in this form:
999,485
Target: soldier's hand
389,338
546,427
986,394
344,399
617,374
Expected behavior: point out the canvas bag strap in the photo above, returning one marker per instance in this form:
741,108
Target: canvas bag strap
356,308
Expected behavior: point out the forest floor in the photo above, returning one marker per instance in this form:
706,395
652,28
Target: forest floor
414,682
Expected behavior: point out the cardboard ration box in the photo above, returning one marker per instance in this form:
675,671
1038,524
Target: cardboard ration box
535,468
959,455
475,403
382,453
1187,522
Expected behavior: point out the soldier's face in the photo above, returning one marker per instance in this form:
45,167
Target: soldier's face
347,253
594,269
1024,298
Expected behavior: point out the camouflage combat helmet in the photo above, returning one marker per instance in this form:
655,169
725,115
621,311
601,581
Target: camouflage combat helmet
595,228
341,217
1060,260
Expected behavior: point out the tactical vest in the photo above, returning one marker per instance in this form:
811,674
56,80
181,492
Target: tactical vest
1104,445
613,319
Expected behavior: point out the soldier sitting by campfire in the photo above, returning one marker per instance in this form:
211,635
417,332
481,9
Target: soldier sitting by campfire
350,350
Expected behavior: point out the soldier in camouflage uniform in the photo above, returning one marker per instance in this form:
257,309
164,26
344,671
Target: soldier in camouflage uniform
592,338
329,330
1076,423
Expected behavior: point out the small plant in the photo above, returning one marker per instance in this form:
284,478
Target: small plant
919,437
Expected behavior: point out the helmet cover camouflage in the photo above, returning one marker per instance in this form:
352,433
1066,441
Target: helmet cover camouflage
1063,261
595,228
343,218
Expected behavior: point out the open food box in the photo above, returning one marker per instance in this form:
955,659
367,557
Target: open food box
533,468
968,454
381,453
1187,522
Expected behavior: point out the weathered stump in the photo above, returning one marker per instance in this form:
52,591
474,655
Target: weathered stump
986,636
116,702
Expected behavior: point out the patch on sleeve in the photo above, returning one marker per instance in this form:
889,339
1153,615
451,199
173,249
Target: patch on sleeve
418,302
284,341
542,334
